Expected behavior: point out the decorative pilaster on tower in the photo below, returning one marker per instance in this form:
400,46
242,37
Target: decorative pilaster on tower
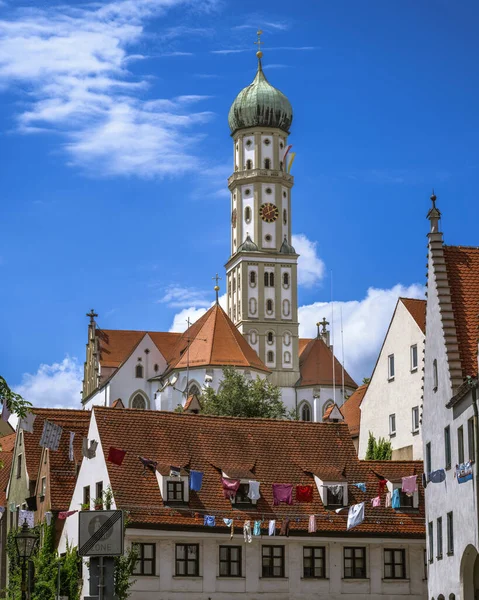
437,269
91,367
262,268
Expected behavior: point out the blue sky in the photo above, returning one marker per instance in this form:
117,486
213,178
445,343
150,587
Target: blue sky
115,151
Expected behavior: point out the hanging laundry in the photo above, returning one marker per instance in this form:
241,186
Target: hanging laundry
361,486
230,523
2,510
209,521
437,476
381,485
28,516
337,491
70,446
304,493
26,422
196,480
257,528
51,435
282,492
89,451
247,531
5,411
285,527
230,487
12,507
355,515
253,492
376,501
175,471
396,499
312,524
67,513
388,500
148,464
48,518
116,456
409,484
463,472
272,527
338,510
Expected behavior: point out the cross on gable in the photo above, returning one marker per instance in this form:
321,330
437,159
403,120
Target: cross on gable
92,314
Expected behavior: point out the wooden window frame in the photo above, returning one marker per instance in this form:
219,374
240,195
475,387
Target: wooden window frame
228,561
268,554
393,564
171,486
186,560
355,555
139,568
309,572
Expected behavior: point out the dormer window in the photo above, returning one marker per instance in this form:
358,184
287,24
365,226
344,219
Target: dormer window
334,494
405,501
175,491
241,496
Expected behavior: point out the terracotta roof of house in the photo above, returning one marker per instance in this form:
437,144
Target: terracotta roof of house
6,458
116,345
333,412
462,264
316,366
395,470
275,451
214,340
118,403
351,410
302,343
417,308
7,442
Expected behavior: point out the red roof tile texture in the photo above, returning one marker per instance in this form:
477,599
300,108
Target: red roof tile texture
316,366
7,442
6,458
274,451
417,308
351,410
462,264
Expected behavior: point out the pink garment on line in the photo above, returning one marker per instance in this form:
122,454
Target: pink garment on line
312,524
409,484
282,492
230,487
388,500
376,501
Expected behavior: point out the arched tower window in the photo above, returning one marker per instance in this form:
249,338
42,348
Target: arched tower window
270,356
266,279
305,412
247,214
252,278
287,356
281,165
139,401
194,390
270,337
271,280
139,371
269,306
267,163
286,279
249,164
285,216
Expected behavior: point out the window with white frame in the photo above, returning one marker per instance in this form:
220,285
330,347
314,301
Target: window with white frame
405,500
391,367
415,419
414,357
333,493
392,424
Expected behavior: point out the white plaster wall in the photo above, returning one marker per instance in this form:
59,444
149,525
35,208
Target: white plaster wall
100,398
166,586
268,229
248,226
288,396
325,396
266,149
444,575
248,153
282,150
384,397
254,343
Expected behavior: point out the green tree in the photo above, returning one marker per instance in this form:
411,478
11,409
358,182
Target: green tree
15,403
46,566
242,397
70,581
378,450
366,380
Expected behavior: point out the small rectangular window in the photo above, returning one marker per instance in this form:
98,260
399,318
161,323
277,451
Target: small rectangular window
447,447
145,564
20,440
439,538
354,563
405,501
86,496
428,458
230,561
19,466
187,560
460,444
414,357
470,438
241,496
313,562
99,495
430,535
334,495
175,491
392,424
415,419
450,533
391,367
43,489
435,380
272,561
394,564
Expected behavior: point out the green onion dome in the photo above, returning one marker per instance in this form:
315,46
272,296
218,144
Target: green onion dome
260,104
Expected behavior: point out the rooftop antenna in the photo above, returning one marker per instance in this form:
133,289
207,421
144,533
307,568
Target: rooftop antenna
332,338
342,348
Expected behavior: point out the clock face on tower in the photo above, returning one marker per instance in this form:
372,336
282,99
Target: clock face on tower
269,212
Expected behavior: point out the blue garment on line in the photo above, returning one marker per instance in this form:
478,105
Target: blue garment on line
396,501
361,486
437,476
257,528
196,480
209,521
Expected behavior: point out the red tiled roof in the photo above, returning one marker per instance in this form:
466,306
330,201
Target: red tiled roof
116,345
351,410
316,366
6,458
214,340
302,343
395,470
417,308
7,442
462,264
276,451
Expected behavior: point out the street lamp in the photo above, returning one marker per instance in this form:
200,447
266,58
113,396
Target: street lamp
25,542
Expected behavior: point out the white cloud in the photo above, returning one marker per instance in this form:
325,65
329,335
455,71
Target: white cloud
180,319
365,323
178,296
54,386
310,267
73,64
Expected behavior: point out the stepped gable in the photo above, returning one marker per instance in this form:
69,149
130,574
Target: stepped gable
116,345
417,309
270,450
462,265
214,341
316,366
351,410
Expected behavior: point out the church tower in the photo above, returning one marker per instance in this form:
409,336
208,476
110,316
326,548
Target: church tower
262,268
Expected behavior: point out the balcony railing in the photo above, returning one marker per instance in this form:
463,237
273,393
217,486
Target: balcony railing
252,173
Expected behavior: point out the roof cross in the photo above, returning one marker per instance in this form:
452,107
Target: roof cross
92,314
259,33
217,287
322,323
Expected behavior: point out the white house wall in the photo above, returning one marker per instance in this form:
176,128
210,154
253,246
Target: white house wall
384,397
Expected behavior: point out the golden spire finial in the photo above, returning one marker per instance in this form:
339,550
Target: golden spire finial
259,33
